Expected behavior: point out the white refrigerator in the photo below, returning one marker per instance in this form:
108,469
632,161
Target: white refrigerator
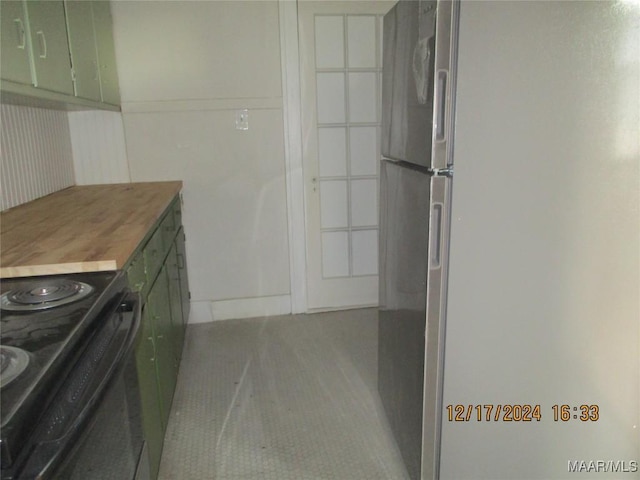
533,371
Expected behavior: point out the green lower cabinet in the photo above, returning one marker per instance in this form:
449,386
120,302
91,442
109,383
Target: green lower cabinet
166,365
151,414
158,271
136,275
177,323
181,253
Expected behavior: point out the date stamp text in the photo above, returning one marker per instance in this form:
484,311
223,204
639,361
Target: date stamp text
490,412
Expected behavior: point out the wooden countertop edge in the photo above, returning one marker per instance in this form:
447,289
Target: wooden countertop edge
57,269
114,260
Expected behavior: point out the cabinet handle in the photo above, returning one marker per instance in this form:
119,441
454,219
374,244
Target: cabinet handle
180,261
153,345
43,44
20,33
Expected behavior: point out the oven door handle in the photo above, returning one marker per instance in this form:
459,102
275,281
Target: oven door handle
71,411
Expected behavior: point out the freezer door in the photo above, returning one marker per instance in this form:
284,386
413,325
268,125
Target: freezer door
404,229
407,81
439,227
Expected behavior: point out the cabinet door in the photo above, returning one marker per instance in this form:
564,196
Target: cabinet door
136,274
177,324
14,43
153,255
169,230
50,46
106,52
184,279
166,365
149,394
82,44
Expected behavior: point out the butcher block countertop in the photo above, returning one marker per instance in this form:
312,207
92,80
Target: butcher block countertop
81,229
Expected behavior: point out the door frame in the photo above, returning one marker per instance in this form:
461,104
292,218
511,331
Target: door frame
294,176
293,148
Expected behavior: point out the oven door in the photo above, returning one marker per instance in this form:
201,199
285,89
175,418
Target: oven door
93,429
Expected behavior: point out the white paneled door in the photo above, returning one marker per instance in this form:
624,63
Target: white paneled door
340,75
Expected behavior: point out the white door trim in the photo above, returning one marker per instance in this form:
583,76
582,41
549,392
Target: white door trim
291,109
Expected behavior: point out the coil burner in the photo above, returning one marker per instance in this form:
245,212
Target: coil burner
46,294
13,361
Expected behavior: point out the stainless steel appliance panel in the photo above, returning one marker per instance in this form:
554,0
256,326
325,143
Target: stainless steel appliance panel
437,275
404,217
419,69
407,81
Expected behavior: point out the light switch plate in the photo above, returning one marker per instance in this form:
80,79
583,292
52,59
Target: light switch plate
242,119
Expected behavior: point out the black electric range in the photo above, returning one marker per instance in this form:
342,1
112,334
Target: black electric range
44,324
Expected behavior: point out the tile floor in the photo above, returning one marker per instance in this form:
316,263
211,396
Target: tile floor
279,398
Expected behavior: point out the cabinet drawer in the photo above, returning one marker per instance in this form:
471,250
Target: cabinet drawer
136,274
153,256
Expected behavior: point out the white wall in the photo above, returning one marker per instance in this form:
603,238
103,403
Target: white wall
544,284
35,154
185,68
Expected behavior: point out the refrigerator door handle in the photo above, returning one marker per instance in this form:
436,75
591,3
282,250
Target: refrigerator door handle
441,105
435,249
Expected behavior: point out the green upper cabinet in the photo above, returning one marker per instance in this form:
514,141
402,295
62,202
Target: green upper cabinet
92,53
14,43
59,51
82,44
106,52
50,46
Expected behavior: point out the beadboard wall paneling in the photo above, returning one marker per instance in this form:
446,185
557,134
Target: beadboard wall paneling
36,155
98,144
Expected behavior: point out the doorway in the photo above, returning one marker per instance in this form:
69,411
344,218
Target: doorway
340,57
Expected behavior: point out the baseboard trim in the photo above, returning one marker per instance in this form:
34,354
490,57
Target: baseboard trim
211,311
